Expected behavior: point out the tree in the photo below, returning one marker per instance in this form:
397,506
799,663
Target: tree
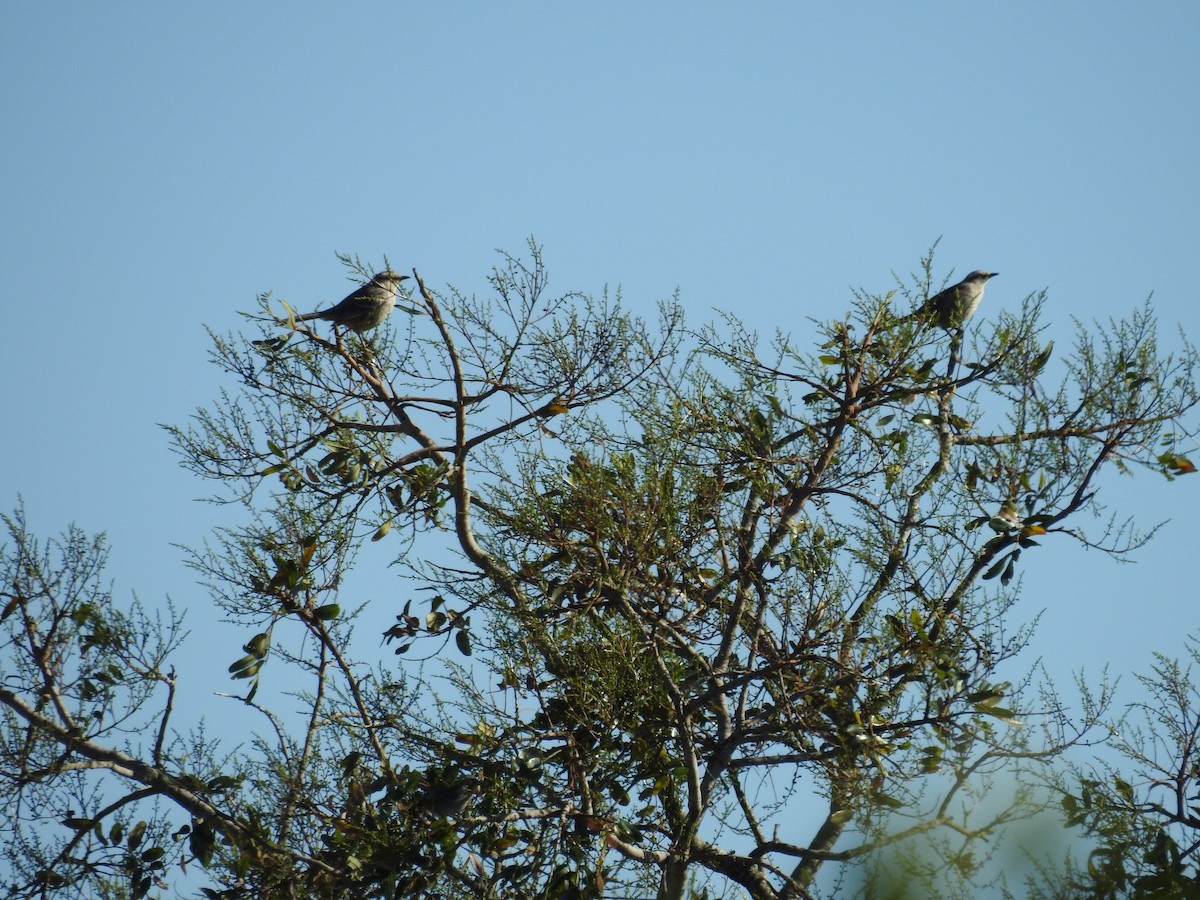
1139,808
713,615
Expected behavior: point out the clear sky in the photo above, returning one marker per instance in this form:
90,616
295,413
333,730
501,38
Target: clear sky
163,163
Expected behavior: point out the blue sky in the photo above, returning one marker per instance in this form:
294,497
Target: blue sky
165,163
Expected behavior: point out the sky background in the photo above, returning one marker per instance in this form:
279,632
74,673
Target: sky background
165,163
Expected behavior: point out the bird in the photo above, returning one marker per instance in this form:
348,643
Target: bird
1008,518
365,308
953,306
449,797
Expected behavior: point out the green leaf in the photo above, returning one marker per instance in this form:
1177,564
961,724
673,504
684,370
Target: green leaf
995,569
202,841
246,667
135,836
1039,361
258,645
327,612
987,697
153,854
997,712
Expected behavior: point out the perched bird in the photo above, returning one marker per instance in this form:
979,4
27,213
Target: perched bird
957,303
449,797
1008,518
365,308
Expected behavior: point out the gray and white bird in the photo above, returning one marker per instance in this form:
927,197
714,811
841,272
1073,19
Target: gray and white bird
957,303
1008,518
449,796
365,308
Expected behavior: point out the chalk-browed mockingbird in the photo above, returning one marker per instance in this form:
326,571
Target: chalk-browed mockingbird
365,308
450,796
957,303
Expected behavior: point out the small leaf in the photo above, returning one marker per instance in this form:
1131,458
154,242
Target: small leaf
135,836
327,612
995,569
553,408
1039,361
248,672
986,698
202,841
961,424
998,712
257,646
463,639
382,531
239,668
1181,465
973,474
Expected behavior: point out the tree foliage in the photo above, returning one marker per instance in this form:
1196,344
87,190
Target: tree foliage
714,616
1141,808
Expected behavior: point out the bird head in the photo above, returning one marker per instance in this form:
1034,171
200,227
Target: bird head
388,278
981,276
